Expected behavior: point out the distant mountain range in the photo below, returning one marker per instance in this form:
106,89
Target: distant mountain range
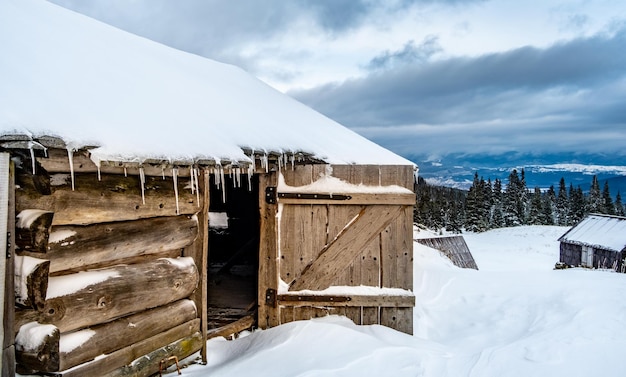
457,170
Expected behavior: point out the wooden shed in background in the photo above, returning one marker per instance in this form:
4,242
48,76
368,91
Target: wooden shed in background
153,202
598,241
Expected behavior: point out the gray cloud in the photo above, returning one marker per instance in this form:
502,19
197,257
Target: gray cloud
410,53
524,99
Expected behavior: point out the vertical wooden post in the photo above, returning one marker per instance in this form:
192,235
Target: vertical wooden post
199,251
268,314
7,242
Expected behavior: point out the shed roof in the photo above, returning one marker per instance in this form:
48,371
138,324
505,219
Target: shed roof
601,231
69,76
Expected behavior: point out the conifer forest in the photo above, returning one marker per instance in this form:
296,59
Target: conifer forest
489,205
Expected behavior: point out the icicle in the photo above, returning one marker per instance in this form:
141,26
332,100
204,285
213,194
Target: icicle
70,155
32,155
238,177
196,173
265,163
293,160
223,185
163,172
175,179
125,172
99,173
193,182
142,180
250,173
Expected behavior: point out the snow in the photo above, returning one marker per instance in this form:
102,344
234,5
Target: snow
67,284
32,335
26,217
57,236
24,265
70,341
95,85
218,220
515,316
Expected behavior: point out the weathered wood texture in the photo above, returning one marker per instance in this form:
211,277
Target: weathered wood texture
32,275
362,242
454,248
182,341
125,331
125,290
76,248
33,227
199,251
232,328
43,356
268,316
7,251
113,198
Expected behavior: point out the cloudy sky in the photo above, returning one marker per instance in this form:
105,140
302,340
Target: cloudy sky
421,77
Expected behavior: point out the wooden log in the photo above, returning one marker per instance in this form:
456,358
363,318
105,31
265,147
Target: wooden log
123,332
182,340
37,348
86,299
232,328
74,248
31,275
32,228
113,198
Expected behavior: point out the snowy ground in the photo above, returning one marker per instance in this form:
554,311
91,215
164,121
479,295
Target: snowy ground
515,317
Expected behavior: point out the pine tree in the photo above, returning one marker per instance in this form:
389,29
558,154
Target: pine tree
562,204
607,204
497,218
475,220
577,205
594,199
515,198
619,207
535,215
549,207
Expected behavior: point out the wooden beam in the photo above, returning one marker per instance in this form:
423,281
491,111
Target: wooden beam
112,198
199,251
268,315
7,252
335,257
33,228
115,292
232,328
32,275
184,339
390,198
37,348
74,248
125,331
296,300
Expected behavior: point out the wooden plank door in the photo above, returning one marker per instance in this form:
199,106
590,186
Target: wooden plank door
362,237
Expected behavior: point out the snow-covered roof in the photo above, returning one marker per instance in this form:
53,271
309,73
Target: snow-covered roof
66,75
603,231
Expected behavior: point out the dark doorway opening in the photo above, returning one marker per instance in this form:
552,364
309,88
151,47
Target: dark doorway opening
233,250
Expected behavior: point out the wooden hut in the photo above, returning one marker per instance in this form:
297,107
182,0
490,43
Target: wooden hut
598,241
151,199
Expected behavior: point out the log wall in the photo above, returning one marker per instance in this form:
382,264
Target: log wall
108,265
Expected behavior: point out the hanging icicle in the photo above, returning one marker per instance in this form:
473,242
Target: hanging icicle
196,174
142,180
250,173
193,182
265,163
175,179
125,172
163,173
70,155
99,173
223,185
32,155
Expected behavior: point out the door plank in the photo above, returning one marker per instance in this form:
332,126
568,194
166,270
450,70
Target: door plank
341,251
